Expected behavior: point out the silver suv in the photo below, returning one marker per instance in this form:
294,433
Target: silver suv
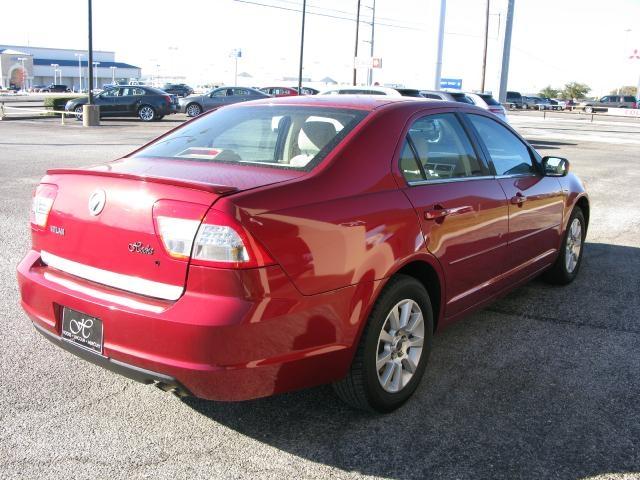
609,101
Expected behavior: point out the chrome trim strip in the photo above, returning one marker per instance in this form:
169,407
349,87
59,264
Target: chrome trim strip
112,279
413,183
518,175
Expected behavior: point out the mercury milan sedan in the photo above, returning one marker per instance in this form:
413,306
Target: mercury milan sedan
280,244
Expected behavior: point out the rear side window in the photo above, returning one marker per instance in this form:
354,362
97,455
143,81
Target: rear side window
629,99
437,148
509,155
462,98
432,96
284,137
489,100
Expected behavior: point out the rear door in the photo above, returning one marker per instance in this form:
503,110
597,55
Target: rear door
536,202
462,208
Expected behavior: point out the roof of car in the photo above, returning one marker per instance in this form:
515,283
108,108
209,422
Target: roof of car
355,102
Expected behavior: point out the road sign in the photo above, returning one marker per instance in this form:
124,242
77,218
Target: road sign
367,62
451,83
376,62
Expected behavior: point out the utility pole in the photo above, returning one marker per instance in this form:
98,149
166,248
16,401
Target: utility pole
90,55
90,112
355,53
486,43
506,51
443,14
304,11
373,31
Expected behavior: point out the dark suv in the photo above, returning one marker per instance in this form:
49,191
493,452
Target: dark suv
514,100
179,89
609,101
56,88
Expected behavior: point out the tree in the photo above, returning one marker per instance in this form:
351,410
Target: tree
626,90
549,92
575,90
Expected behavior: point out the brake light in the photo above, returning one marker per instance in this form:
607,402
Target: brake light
218,240
167,98
42,203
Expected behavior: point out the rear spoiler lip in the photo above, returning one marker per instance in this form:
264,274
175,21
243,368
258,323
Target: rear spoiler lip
207,187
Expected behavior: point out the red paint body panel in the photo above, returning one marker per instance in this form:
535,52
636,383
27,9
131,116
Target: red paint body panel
336,234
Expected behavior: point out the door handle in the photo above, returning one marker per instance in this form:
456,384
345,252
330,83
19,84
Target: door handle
438,212
518,199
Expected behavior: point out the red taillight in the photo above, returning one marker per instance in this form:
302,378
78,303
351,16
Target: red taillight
167,99
217,240
41,205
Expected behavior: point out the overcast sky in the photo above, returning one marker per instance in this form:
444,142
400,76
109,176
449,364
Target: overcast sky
554,41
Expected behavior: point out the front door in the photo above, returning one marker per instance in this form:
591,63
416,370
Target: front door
462,208
536,202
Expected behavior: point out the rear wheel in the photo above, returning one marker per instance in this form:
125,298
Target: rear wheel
78,111
588,109
565,270
394,349
193,110
146,113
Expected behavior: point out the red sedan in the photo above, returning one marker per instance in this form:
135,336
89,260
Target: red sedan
280,244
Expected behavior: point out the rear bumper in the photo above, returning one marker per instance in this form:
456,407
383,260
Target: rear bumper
255,336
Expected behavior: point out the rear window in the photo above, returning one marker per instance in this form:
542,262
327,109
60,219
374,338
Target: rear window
279,137
489,100
462,98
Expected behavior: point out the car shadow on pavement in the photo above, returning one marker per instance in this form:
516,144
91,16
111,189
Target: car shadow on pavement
542,384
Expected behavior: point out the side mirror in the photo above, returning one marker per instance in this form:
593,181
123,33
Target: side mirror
555,166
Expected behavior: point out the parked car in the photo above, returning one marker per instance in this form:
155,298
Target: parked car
362,90
446,96
38,88
279,244
542,103
308,91
558,104
146,103
194,105
279,91
486,101
56,88
529,103
178,89
515,99
609,101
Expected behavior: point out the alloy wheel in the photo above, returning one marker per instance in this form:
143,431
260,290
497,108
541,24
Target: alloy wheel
400,345
146,113
193,110
573,245
78,111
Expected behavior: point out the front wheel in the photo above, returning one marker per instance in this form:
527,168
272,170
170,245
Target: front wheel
565,270
78,111
588,109
394,349
193,110
146,113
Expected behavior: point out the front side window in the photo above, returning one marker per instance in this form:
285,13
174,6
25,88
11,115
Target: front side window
284,137
438,148
509,155
114,92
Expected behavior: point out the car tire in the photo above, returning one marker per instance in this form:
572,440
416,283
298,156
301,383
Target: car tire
393,350
566,267
146,113
79,111
193,110
588,109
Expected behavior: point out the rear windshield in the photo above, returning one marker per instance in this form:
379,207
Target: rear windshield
462,98
279,137
489,100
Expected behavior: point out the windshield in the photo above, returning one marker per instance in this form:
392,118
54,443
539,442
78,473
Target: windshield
289,137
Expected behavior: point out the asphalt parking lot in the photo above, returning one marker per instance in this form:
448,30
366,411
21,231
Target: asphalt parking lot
543,384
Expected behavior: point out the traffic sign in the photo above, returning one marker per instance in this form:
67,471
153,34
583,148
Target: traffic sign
451,83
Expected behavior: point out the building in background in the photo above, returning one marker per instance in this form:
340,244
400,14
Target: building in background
24,67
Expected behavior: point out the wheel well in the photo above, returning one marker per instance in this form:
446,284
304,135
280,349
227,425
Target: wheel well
583,203
425,274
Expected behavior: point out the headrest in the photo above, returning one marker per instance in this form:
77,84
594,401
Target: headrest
315,135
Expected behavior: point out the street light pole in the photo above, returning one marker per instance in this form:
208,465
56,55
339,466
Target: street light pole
443,14
373,31
90,53
79,57
506,52
55,71
486,44
304,12
113,74
95,74
355,53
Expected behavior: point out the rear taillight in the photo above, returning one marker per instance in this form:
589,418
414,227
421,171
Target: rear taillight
43,199
167,99
218,240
